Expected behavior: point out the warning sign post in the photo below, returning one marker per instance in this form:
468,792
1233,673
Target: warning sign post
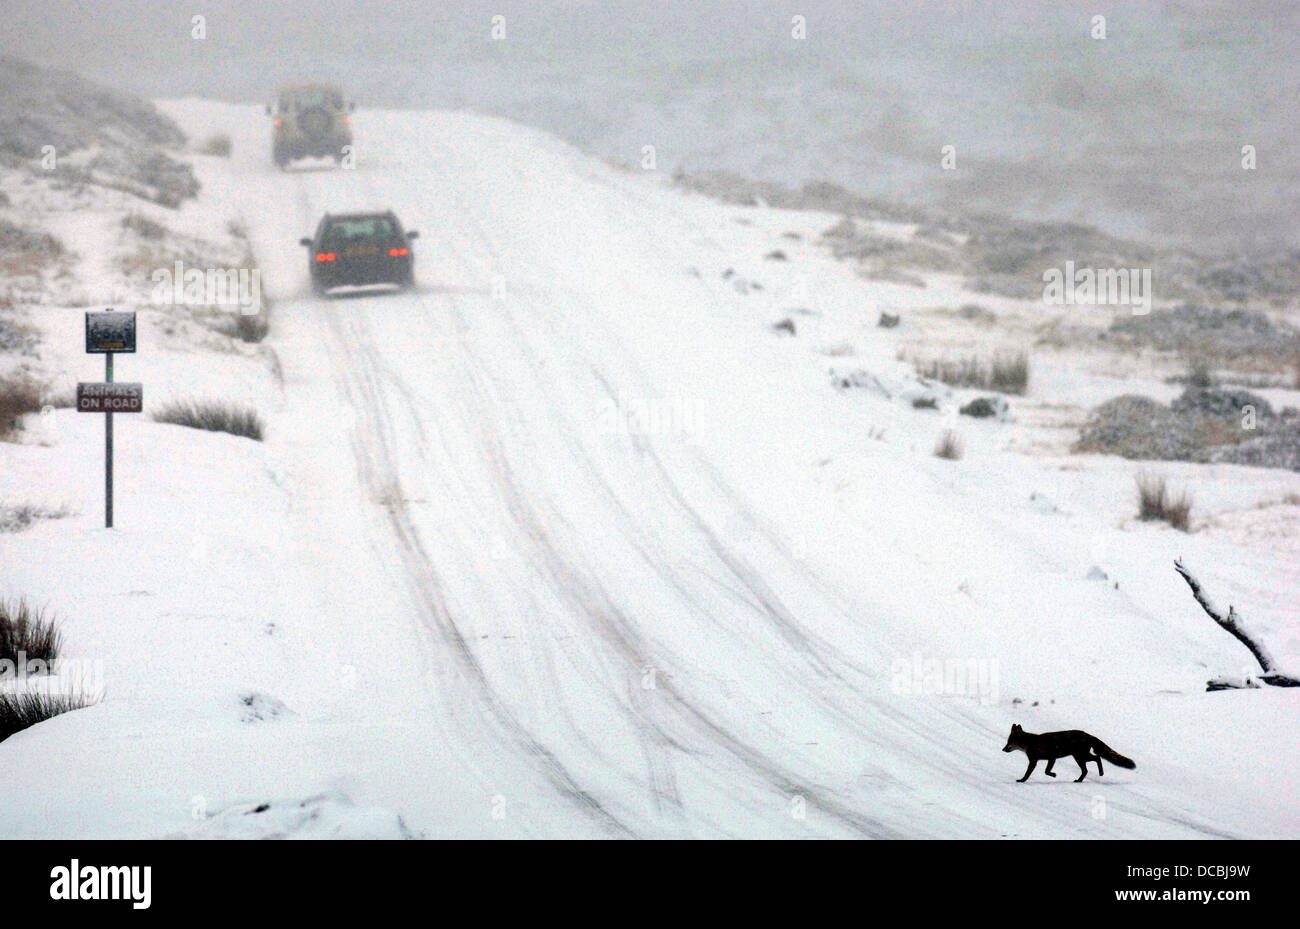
107,333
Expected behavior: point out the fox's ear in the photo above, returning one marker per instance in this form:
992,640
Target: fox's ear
1015,727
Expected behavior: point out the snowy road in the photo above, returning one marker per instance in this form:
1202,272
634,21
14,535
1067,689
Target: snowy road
553,621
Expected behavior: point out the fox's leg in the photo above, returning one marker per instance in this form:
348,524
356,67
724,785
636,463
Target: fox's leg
1033,763
1100,772
1082,762
1048,770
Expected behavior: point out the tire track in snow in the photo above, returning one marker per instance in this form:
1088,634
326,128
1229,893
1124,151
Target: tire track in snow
588,598
359,372
655,749
373,443
596,604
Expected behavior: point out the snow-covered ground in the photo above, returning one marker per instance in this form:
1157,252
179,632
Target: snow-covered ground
571,542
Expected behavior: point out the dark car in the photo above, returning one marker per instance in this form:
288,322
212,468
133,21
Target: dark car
360,249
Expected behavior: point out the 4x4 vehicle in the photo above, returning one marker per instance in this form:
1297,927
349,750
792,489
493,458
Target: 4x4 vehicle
311,121
360,249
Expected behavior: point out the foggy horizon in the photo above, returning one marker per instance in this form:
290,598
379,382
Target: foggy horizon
1046,122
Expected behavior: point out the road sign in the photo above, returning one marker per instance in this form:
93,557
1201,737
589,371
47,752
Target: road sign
110,398
110,331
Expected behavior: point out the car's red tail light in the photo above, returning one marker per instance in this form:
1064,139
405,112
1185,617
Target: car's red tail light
277,120
325,256
398,252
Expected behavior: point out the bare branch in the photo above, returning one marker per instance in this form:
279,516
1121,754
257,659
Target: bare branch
1231,622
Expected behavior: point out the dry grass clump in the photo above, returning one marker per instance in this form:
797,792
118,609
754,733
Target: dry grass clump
213,416
949,446
20,394
27,633
1006,373
23,710
1157,502
217,144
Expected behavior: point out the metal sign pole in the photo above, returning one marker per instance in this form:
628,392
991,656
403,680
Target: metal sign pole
108,449
108,333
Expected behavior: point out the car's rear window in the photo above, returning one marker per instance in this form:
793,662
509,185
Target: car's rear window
305,99
359,230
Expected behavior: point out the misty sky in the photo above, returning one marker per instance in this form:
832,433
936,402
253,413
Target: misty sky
1140,133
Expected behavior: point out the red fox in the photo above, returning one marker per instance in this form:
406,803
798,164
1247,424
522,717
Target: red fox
1049,746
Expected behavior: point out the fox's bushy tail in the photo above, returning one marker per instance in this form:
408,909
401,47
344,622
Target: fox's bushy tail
1114,757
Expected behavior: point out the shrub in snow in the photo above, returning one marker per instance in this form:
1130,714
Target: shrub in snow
1205,424
1219,333
218,144
1221,402
12,339
18,518
1278,448
20,246
1137,427
213,416
1199,373
19,395
253,328
976,313
859,378
256,707
23,710
153,175
26,634
949,446
143,226
1007,373
1010,373
844,229
1157,502
985,407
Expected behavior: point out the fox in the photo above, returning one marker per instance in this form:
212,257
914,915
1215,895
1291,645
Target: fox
1049,746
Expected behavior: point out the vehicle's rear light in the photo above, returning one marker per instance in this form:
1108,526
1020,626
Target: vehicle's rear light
325,256
277,120
398,252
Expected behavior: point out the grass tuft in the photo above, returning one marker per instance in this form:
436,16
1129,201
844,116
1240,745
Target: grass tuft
1199,372
18,518
143,226
949,446
27,633
1157,502
217,144
23,710
20,394
1006,373
253,327
213,416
